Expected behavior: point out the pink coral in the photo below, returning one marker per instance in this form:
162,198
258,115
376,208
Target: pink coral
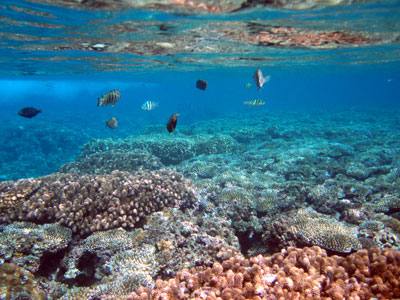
293,273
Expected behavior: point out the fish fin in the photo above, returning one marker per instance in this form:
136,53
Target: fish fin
40,110
267,78
259,89
98,101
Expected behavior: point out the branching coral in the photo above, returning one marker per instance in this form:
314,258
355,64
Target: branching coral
307,273
92,203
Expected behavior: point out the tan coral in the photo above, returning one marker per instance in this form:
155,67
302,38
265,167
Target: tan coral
93,203
18,283
313,228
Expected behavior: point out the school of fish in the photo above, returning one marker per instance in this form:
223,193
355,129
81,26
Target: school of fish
113,96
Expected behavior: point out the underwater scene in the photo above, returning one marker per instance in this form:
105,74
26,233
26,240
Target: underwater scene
193,149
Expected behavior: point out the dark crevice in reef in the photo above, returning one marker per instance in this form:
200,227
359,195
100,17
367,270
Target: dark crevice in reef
50,262
248,240
87,265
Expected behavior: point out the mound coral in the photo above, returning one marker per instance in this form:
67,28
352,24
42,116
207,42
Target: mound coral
108,161
316,229
92,203
293,273
18,283
169,151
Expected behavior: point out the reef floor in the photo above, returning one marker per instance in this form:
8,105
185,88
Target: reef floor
235,208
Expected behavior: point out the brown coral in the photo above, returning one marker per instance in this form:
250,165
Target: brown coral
18,283
293,273
93,203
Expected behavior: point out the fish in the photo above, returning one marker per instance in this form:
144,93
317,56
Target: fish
260,79
254,102
248,85
29,112
149,105
201,84
171,124
110,98
112,123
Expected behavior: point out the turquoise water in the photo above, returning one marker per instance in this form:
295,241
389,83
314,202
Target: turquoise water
318,162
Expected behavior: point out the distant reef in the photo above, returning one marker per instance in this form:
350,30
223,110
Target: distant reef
306,205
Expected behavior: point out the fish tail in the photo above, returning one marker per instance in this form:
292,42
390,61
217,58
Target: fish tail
259,89
40,110
98,101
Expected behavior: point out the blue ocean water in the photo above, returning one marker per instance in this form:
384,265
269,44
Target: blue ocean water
70,118
323,149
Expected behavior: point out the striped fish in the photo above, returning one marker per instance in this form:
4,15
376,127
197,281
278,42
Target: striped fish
149,105
255,102
109,99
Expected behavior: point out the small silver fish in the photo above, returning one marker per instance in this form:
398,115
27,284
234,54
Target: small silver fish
248,85
149,105
260,79
255,102
112,123
110,98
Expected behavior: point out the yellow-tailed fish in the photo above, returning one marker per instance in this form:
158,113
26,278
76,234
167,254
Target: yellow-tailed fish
255,102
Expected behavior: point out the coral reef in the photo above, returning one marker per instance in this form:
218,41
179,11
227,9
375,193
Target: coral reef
128,269
115,262
91,203
296,37
97,248
293,273
108,161
315,229
17,283
169,151
27,243
195,6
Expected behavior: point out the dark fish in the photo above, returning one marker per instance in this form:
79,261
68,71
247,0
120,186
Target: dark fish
29,112
112,123
260,79
109,99
201,84
171,124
